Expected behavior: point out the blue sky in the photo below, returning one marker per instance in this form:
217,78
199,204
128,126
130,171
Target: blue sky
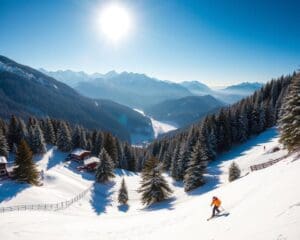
215,42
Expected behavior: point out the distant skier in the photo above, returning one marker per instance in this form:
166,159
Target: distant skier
216,203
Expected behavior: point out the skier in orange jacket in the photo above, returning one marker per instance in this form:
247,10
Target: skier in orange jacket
216,202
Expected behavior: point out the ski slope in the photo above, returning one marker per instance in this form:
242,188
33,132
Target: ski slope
263,205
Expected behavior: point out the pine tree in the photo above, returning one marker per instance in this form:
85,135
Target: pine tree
120,154
129,160
197,165
98,142
64,140
234,172
105,169
123,193
154,187
290,117
14,133
174,169
25,170
36,139
49,132
167,159
83,141
111,148
76,137
3,145
148,165
243,126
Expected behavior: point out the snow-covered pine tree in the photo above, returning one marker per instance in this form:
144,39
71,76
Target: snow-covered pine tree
261,119
290,116
223,131
89,144
120,154
83,140
14,133
154,187
148,166
97,141
270,118
129,158
3,145
4,127
242,125
183,159
25,170
22,129
111,148
64,140
49,132
174,170
234,172
255,120
76,137
167,159
36,139
126,161
105,169
194,174
123,193
208,139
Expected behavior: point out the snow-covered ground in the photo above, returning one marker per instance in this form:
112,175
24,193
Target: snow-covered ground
263,205
158,126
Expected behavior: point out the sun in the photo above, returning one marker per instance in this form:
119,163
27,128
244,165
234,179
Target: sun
115,22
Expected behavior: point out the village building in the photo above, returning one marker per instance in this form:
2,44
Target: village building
78,155
3,166
89,164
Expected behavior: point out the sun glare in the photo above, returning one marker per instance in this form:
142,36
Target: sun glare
114,22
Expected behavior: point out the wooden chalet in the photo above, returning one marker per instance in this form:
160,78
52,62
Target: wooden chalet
89,164
78,155
3,167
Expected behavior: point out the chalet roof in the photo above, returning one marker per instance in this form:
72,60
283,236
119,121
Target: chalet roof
79,151
91,160
3,159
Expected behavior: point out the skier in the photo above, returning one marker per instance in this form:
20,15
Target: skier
216,202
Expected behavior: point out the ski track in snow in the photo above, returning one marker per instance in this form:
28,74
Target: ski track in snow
262,204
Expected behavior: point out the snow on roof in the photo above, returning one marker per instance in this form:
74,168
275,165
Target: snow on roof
91,160
79,151
3,159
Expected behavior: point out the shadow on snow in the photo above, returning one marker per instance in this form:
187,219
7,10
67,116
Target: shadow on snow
167,204
10,189
123,208
101,196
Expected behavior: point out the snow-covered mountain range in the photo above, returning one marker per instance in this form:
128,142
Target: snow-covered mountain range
141,91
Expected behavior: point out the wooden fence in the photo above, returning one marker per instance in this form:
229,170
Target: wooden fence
46,206
266,164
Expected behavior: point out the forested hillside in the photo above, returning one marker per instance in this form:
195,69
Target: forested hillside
186,154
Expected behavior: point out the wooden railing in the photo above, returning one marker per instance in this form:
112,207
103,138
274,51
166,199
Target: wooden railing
46,206
266,164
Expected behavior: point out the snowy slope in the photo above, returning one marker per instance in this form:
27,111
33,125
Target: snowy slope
263,205
159,127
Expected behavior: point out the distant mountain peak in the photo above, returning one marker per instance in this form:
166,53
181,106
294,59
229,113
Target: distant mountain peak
244,87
